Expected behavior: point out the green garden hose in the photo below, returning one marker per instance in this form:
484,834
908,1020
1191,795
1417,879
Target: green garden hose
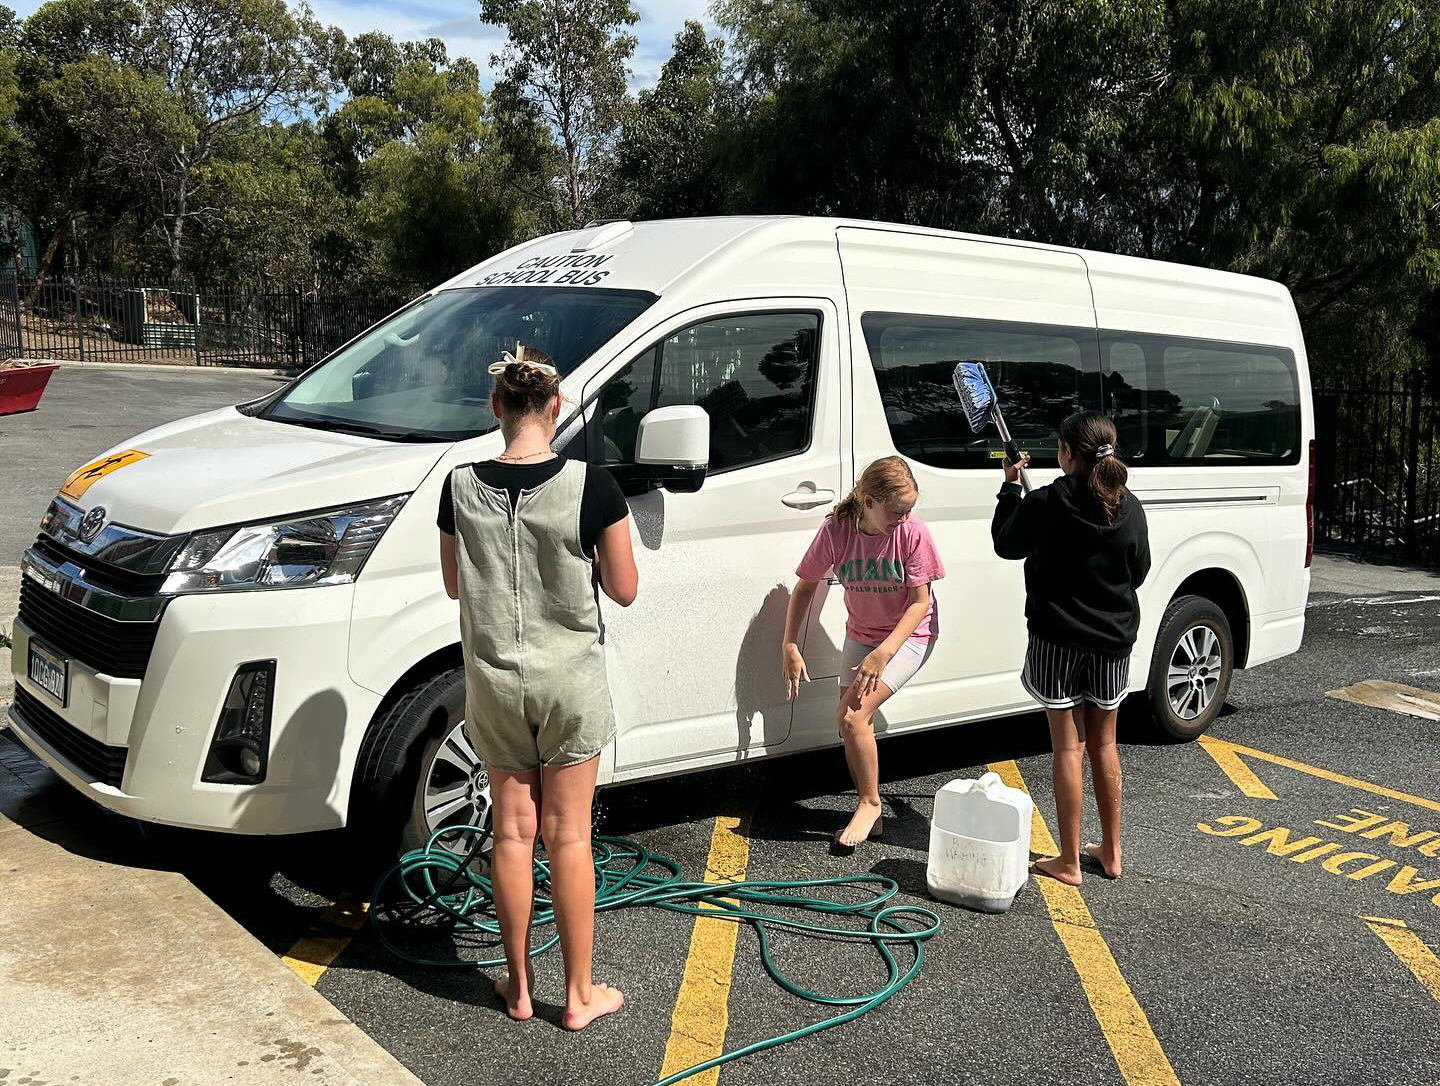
433,891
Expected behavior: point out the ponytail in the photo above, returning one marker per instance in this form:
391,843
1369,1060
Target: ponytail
1092,439
886,478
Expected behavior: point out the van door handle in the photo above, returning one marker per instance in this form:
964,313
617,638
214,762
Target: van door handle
807,497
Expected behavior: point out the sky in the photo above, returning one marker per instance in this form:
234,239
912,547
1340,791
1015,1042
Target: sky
457,23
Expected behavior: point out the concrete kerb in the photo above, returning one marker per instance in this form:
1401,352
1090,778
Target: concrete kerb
1335,574
112,973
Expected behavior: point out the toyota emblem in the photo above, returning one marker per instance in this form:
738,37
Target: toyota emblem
91,523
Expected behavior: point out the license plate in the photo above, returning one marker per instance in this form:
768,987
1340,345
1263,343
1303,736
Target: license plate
50,672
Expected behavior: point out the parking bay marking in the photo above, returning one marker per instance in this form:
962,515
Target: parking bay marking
1404,879
1127,1030
1406,945
313,954
1229,757
702,1009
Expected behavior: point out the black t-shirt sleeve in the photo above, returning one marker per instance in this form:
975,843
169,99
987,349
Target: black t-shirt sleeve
445,518
601,505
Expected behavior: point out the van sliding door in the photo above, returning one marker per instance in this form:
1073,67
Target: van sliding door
919,304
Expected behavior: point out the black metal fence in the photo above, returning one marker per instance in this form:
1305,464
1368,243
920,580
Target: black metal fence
97,319
1377,467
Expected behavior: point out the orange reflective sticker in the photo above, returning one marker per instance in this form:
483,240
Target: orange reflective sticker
84,478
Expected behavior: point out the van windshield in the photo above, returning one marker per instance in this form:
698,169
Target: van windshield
421,375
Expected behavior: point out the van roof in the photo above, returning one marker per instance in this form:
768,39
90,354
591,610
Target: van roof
759,255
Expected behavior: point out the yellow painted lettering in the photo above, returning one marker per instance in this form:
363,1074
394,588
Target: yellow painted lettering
1405,882
1317,851
1277,841
1431,849
1239,826
1399,834
1353,825
1336,864
1370,869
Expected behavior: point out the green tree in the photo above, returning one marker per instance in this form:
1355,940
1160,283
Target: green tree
565,65
666,156
422,157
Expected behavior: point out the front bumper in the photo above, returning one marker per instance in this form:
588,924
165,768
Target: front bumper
156,731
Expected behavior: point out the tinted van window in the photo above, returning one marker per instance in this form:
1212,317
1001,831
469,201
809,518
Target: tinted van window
754,374
1180,401
1040,373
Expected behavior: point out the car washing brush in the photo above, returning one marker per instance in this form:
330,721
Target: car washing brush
982,406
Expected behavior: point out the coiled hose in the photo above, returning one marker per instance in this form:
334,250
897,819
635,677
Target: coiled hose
439,892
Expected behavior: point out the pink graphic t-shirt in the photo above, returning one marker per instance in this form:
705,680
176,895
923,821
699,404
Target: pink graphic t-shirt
876,572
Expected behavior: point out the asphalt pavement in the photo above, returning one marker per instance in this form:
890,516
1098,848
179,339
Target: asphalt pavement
1248,960
1278,920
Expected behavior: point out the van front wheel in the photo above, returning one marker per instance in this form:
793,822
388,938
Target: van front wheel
417,773
1191,667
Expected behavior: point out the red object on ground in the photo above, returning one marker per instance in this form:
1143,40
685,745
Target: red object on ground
21,388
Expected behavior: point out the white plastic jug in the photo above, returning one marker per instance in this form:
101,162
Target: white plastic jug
979,843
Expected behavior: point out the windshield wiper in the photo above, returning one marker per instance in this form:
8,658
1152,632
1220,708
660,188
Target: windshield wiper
344,426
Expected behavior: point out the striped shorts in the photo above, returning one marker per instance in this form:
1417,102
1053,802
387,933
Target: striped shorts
1061,678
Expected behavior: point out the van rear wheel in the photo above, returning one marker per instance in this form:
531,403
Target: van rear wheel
1191,668
418,775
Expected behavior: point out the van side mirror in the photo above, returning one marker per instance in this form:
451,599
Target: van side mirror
672,450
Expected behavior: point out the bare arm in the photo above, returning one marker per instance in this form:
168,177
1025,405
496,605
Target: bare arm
616,557
915,613
449,567
792,664
870,669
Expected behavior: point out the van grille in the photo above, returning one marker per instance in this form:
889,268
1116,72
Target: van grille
93,758
119,649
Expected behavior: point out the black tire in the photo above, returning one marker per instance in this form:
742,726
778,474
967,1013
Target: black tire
1187,711
397,760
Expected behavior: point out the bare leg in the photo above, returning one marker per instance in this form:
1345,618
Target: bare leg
1105,773
1069,769
856,717
516,799
569,793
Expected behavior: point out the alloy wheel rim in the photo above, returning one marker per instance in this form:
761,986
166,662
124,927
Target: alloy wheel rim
456,792
1193,678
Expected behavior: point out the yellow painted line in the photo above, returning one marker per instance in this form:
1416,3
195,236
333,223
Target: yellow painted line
702,1010
1127,1030
313,954
1221,748
1240,774
1406,945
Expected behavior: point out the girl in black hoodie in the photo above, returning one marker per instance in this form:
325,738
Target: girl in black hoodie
1086,549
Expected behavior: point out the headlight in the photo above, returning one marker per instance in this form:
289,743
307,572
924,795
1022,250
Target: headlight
325,548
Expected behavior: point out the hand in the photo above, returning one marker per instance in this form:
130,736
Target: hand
870,670
793,666
1012,471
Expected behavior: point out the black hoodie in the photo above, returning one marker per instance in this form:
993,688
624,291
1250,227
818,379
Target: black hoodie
1080,572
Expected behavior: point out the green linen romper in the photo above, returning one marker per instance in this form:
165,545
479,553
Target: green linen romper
536,691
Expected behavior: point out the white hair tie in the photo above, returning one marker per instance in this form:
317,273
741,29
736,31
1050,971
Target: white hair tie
1103,451
508,359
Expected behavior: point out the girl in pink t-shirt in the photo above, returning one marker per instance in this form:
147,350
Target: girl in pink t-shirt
885,560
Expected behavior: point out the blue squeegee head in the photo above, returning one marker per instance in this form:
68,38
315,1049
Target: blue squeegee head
976,397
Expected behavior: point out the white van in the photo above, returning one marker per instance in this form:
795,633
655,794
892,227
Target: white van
237,621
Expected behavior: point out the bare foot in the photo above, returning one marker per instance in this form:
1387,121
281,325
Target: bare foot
1110,864
1056,870
517,1003
603,1000
864,824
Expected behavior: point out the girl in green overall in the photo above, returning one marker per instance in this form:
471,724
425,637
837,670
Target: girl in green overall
520,539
